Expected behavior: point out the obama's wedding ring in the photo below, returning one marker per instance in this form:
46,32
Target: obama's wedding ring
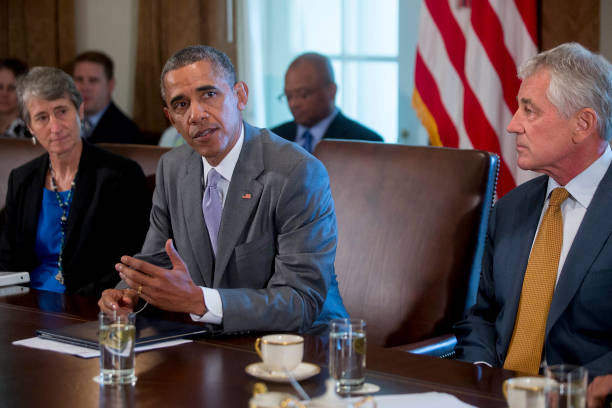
139,291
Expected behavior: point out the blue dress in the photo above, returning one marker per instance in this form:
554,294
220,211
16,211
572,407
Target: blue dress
48,238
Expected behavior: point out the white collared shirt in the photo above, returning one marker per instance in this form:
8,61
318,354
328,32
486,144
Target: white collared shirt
581,189
226,167
317,131
212,298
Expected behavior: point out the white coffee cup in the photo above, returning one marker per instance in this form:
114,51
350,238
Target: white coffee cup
525,392
280,351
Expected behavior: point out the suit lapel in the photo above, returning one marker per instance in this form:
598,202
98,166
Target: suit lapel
190,193
86,184
292,131
104,125
527,216
592,234
33,203
336,128
242,198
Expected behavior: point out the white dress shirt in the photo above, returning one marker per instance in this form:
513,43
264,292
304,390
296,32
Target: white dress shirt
212,299
581,189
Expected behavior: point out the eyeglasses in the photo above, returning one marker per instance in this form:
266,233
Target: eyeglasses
301,94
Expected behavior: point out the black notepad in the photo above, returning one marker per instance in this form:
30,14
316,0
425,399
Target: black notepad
148,331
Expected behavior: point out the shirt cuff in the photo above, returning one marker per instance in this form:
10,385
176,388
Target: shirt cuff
214,307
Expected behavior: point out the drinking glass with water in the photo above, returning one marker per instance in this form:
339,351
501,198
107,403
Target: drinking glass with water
117,337
347,353
567,387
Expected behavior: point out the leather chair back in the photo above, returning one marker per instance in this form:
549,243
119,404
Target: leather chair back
145,155
14,153
410,221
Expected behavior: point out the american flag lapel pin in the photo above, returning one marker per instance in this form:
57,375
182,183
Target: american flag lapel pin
246,196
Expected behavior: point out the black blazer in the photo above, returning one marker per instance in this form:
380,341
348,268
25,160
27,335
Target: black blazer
115,127
339,128
108,218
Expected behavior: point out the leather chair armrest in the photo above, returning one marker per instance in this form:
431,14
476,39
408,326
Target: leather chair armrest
441,346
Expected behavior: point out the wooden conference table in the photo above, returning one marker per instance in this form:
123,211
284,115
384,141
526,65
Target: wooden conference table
206,373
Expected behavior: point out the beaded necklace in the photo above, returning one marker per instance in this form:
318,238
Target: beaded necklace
65,207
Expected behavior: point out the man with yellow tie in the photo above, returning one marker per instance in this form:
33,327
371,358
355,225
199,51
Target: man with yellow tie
546,284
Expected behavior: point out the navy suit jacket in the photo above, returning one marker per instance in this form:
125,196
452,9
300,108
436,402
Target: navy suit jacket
276,247
339,128
108,218
579,327
115,127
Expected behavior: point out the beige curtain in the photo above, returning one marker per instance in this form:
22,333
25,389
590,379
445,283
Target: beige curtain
164,27
39,32
570,20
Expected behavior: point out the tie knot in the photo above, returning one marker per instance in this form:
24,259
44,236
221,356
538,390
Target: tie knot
558,196
213,178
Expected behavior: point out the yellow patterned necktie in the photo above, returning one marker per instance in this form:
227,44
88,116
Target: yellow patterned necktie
525,350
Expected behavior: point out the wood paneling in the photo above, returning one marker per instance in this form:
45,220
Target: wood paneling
569,20
164,27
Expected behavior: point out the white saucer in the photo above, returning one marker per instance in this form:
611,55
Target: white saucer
301,372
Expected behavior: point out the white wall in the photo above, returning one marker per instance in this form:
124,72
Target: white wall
111,26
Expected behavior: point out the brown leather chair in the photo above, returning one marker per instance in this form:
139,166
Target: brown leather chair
145,155
14,153
410,222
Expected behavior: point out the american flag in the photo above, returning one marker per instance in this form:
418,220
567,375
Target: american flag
466,75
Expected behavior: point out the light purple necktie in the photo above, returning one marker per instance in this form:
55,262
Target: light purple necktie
212,207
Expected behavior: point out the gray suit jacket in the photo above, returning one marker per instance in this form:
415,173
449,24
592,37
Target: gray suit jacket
579,327
277,239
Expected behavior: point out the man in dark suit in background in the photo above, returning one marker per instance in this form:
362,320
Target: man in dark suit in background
310,91
544,293
104,122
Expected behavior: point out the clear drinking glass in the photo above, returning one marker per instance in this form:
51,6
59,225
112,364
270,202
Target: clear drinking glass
568,387
347,353
117,337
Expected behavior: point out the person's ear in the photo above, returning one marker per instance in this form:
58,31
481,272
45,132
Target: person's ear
34,138
111,85
242,94
168,116
333,88
585,124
